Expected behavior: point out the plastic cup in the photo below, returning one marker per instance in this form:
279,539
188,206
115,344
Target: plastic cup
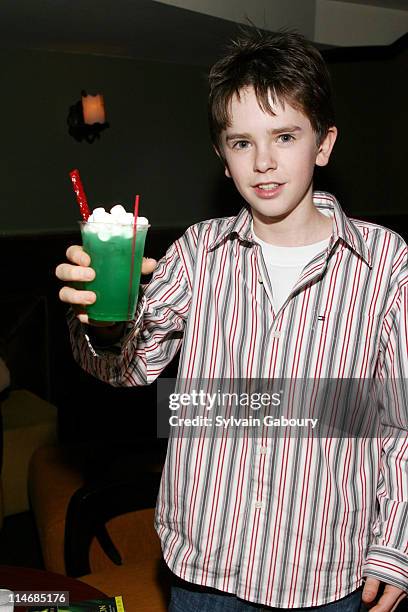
109,246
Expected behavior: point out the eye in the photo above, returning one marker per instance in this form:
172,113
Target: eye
240,144
285,138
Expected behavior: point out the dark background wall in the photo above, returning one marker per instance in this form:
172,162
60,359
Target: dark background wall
366,171
158,143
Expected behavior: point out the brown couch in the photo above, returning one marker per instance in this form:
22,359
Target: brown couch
82,525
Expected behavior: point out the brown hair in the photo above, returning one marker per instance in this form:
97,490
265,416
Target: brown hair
284,65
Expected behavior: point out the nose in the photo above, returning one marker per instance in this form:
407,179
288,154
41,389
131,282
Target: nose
264,160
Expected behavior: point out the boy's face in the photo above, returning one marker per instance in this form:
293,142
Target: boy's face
270,158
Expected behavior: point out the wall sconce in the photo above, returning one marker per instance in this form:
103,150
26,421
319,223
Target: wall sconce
86,118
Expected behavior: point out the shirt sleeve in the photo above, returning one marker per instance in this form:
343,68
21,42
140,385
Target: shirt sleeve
387,558
155,335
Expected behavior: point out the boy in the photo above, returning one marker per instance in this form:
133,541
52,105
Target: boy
289,288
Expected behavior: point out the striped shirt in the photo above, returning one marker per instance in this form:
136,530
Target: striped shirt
289,522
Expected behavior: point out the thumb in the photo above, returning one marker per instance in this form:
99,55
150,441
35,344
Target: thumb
148,265
370,589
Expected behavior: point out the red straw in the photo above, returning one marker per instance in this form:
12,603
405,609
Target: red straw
132,262
136,212
80,194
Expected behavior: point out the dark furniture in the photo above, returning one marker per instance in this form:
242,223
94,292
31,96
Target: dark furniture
28,579
102,531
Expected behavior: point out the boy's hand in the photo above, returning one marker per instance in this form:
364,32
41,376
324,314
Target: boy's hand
388,601
79,270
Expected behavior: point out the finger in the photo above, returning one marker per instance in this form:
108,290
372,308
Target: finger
148,265
83,317
384,604
370,589
76,254
69,273
68,295
400,598
388,600
80,313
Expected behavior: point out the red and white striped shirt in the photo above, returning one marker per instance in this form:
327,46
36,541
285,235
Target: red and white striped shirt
289,522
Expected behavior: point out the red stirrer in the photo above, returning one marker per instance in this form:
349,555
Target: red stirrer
136,213
80,194
132,262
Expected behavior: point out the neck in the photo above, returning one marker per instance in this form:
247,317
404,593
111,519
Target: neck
302,226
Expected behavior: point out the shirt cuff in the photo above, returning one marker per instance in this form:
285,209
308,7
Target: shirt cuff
131,330
388,565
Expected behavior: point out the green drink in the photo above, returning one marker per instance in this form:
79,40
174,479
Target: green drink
116,284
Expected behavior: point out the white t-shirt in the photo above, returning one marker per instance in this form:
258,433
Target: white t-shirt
284,265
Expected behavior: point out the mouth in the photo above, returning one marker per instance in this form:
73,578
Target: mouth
267,190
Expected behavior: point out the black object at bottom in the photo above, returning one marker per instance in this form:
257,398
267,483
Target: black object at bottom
92,506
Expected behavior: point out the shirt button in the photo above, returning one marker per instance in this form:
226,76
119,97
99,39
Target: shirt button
258,504
276,334
260,280
263,450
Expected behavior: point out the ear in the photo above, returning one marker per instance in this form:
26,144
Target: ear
326,146
224,163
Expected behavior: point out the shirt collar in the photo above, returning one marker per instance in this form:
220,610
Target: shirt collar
239,226
343,228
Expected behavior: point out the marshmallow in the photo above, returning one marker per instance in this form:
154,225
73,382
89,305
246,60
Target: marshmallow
98,214
104,234
116,223
118,211
142,220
